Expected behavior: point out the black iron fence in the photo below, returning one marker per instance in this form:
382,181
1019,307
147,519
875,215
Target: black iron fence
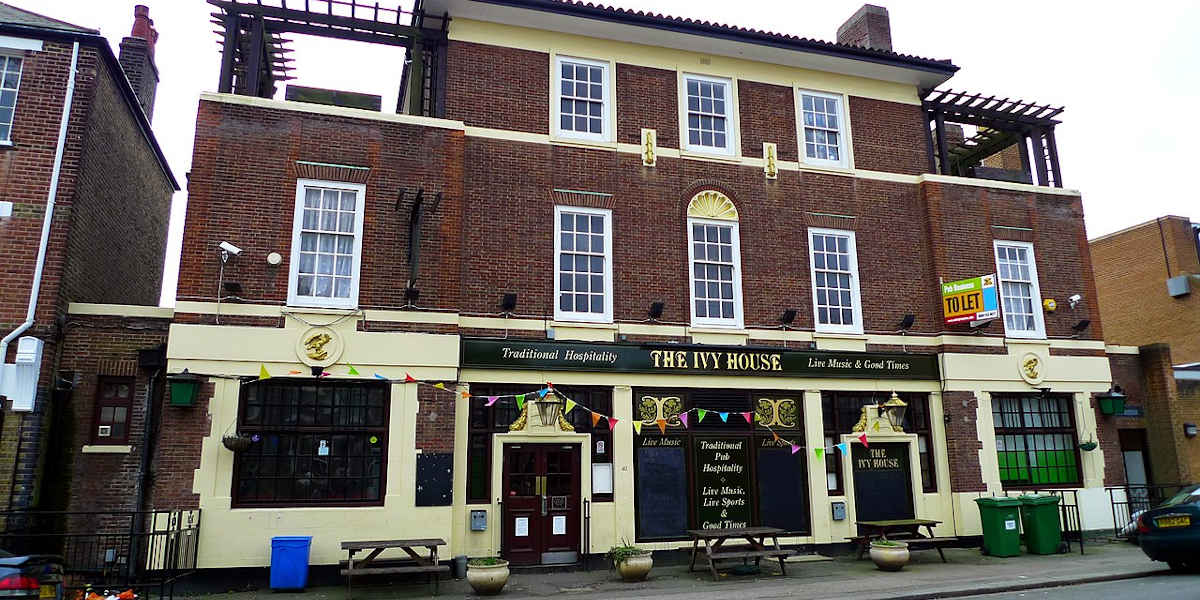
1129,500
1068,512
147,551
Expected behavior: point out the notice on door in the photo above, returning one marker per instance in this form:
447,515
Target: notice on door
722,482
521,527
560,525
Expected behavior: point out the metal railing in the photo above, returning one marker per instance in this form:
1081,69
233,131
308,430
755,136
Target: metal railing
1068,512
140,550
1137,498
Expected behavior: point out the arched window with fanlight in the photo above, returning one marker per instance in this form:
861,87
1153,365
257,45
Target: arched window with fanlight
714,260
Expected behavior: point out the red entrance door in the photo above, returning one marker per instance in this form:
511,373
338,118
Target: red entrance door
541,504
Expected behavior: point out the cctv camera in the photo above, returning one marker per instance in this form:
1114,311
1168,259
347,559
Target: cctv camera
1074,300
230,248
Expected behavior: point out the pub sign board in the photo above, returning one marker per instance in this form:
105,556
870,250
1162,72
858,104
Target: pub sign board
971,299
693,358
882,482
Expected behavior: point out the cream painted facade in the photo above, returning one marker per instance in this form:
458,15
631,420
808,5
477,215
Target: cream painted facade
240,537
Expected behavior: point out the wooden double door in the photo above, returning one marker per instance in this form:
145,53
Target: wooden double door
541,504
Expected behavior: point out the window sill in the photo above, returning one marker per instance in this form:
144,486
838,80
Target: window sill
733,157
106,449
716,336
1039,341
841,169
318,310
559,140
606,325
852,342
582,332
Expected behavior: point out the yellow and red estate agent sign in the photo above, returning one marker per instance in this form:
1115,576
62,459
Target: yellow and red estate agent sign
970,300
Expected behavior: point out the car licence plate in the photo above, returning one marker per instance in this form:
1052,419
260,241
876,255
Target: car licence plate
1180,521
47,591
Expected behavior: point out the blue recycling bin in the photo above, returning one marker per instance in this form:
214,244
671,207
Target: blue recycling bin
289,562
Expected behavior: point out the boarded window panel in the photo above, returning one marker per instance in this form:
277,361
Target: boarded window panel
782,488
661,493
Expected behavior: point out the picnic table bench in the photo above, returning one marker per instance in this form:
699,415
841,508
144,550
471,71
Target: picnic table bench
415,563
903,530
756,547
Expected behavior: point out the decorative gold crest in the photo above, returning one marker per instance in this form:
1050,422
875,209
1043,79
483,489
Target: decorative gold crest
319,347
523,421
711,204
651,409
1031,368
649,147
770,161
779,412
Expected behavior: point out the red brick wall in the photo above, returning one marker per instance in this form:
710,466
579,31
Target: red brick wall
1131,278
92,347
768,114
962,442
177,453
1127,373
647,97
888,136
435,419
251,202
502,88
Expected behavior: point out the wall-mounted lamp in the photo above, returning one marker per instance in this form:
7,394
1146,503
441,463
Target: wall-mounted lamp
183,388
907,322
232,288
316,370
1111,402
411,294
656,310
894,410
788,317
508,303
1081,325
549,407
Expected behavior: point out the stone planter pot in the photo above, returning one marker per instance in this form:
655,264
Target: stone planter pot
889,558
487,579
635,568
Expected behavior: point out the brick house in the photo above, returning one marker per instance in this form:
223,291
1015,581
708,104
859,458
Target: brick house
85,195
607,275
1148,279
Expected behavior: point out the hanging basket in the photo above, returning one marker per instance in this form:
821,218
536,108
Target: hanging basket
1088,446
237,443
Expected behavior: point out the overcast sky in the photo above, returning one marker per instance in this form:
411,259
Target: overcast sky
1128,74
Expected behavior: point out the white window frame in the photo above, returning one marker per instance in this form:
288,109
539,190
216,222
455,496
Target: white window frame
1035,292
7,53
587,317
294,299
732,145
606,121
735,242
843,130
855,293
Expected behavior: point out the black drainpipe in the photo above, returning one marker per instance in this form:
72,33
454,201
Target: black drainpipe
156,359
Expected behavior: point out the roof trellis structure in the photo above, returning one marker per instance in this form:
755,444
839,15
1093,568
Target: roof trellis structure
254,49
1002,122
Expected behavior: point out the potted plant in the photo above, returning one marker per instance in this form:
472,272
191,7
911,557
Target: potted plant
631,562
487,576
889,555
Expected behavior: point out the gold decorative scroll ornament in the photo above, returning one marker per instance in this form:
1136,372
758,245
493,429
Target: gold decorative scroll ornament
651,409
649,147
780,412
711,204
770,164
523,420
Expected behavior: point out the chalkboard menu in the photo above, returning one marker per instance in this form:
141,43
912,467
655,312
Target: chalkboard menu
722,482
661,488
782,487
882,483
434,477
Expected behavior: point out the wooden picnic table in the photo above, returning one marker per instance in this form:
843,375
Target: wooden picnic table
756,546
905,530
415,563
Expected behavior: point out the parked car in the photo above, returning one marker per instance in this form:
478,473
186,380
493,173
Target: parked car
31,576
1170,532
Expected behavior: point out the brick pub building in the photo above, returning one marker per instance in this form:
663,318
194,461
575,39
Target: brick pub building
607,275
85,196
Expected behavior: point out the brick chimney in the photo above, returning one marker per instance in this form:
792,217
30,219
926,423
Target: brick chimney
868,27
137,58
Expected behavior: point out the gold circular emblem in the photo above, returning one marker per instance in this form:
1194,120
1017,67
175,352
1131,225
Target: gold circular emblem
1031,368
319,347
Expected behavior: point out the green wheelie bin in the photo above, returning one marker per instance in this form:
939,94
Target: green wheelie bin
1001,536
1039,518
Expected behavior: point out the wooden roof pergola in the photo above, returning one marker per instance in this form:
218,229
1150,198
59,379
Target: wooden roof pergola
254,50
1002,122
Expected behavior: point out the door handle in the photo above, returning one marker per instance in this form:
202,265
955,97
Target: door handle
544,512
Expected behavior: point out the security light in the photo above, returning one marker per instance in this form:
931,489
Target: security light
656,310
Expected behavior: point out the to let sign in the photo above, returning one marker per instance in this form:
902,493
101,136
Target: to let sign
970,300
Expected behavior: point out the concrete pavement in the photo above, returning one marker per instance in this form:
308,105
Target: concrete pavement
966,573
1159,587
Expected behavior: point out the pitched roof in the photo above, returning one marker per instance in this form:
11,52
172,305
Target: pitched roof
652,19
17,16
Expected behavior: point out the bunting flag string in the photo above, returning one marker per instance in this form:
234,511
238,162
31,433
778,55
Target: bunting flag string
700,412
612,423
683,417
492,400
566,409
724,417
637,427
662,425
595,418
748,417
520,401
352,370
863,438
820,452
263,373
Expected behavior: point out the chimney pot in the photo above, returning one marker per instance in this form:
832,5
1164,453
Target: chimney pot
869,27
137,58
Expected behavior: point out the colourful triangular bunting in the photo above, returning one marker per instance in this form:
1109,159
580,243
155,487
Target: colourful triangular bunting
876,426
378,376
637,427
724,417
569,407
409,378
683,419
819,452
662,425
492,400
520,401
542,393
844,448
863,438
352,370
293,372
748,416
262,372
701,412
795,448
595,418
612,423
